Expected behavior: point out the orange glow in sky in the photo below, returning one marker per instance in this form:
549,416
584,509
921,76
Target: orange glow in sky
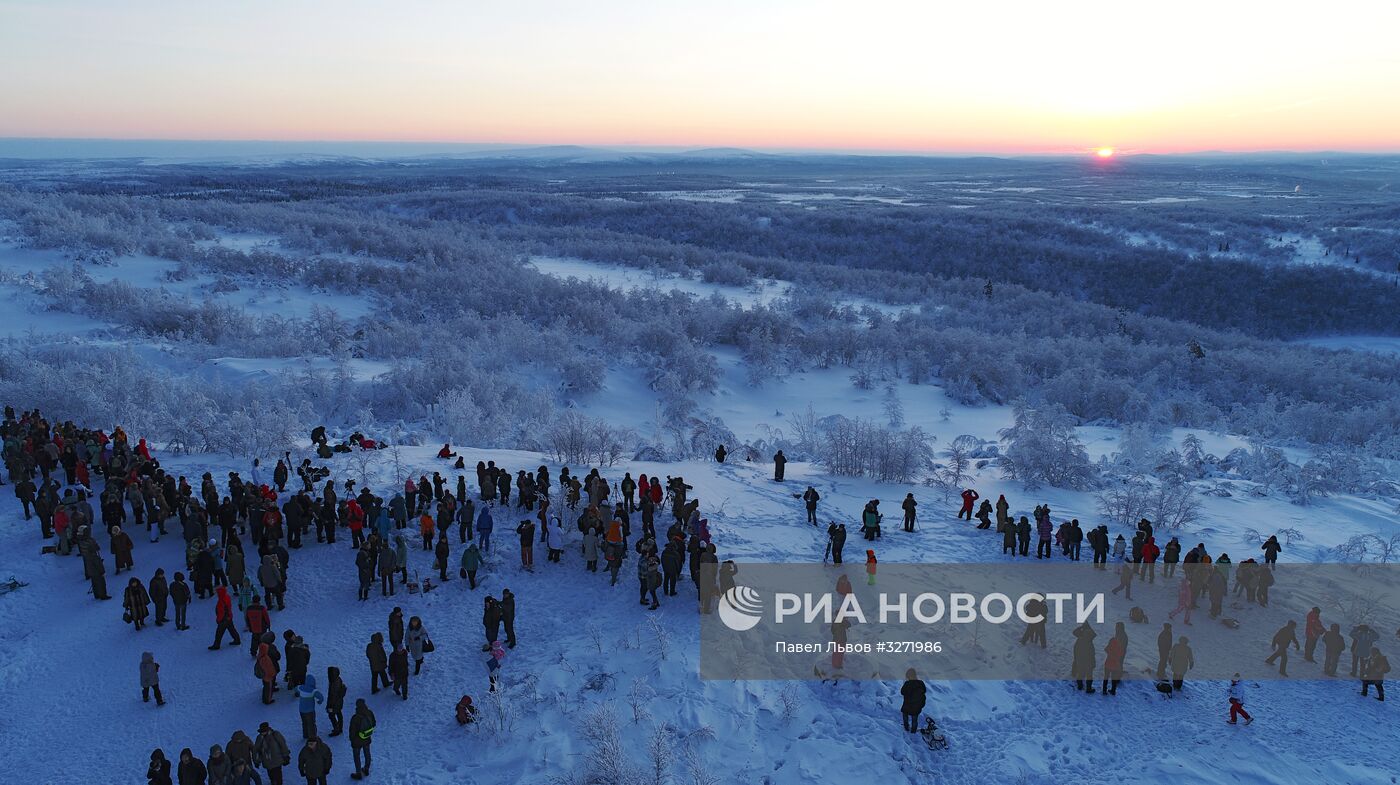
1001,76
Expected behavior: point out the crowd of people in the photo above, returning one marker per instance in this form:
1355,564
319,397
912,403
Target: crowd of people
1200,577
240,539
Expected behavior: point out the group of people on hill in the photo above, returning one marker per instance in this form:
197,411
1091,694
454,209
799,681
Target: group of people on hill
239,542
1202,578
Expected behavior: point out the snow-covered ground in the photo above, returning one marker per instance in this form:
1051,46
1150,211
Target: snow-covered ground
1379,344
72,664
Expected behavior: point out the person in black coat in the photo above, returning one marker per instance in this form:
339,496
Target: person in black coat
335,700
398,671
159,771
378,663
314,762
810,497
1082,668
838,542
160,595
508,616
361,736
915,694
491,620
190,770
180,597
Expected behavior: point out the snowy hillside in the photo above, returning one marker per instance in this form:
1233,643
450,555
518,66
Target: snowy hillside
585,647
894,327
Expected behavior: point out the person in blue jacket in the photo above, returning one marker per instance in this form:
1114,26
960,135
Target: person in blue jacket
382,524
307,698
484,524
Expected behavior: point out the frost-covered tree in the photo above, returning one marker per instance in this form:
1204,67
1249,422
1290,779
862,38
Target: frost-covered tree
894,408
1041,448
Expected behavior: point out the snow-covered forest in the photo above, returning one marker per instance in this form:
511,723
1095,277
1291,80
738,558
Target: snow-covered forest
1211,344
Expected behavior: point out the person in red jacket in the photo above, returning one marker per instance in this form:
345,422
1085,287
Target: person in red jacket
446,451
969,498
410,498
1312,633
257,621
223,616
266,671
143,450
272,526
1150,552
355,519
81,473
1113,655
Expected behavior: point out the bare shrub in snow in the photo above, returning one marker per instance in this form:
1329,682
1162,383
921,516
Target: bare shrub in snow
660,636
1169,504
575,438
365,464
950,475
497,715
806,432
638,697
608,762
1368,547
789,703
660,756
857,448
696,771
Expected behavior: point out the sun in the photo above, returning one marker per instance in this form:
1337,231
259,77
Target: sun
1104,152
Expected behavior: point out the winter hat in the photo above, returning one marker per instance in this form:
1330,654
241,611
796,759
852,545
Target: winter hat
264,728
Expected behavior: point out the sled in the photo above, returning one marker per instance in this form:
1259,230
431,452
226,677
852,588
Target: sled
13,584
1165,687
1232,623
933,737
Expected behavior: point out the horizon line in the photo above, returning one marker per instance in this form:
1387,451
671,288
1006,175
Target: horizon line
642,147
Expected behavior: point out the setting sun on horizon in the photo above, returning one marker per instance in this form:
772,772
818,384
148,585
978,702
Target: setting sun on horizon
775,75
